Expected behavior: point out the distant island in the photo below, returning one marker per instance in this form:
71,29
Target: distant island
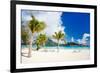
52,43
49,42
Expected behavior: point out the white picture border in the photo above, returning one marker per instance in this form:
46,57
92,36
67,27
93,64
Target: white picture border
51,8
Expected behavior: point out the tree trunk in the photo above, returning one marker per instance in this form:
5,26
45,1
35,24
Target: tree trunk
30,49
58,46
38,47
44,45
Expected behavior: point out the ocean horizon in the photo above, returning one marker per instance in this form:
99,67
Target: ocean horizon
60,47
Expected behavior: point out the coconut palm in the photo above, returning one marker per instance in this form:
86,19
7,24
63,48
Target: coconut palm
40,41
35,26
59,36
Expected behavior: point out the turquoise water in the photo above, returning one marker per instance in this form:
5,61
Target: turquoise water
70,47
62,47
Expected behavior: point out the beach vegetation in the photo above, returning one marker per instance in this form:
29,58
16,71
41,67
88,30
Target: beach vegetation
58,36
41,40
35,26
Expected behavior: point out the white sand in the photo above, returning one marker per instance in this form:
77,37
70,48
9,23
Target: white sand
51,55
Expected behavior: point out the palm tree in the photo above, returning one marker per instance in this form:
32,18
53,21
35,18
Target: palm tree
35,26
40,41
59,36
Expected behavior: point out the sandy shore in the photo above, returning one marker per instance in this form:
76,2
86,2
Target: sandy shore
51,55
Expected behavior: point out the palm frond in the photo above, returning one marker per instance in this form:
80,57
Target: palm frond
58,35
35,25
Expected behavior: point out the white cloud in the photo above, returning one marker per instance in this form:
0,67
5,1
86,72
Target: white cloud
79,41
52,19
84,39
72,39
85,35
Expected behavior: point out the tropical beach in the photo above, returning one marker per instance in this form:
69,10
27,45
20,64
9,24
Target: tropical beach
54,36
51,55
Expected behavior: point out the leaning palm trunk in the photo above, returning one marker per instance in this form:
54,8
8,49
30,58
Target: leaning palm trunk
30,47
58,46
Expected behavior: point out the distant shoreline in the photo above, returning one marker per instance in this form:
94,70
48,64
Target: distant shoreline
60,47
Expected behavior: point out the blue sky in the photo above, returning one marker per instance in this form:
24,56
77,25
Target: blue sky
76,24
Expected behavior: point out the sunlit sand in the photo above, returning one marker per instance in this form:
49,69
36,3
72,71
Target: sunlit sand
51,55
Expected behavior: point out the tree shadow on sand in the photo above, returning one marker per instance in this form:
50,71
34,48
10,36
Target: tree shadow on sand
24,54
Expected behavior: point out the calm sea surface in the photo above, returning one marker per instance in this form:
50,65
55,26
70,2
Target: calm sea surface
62,47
